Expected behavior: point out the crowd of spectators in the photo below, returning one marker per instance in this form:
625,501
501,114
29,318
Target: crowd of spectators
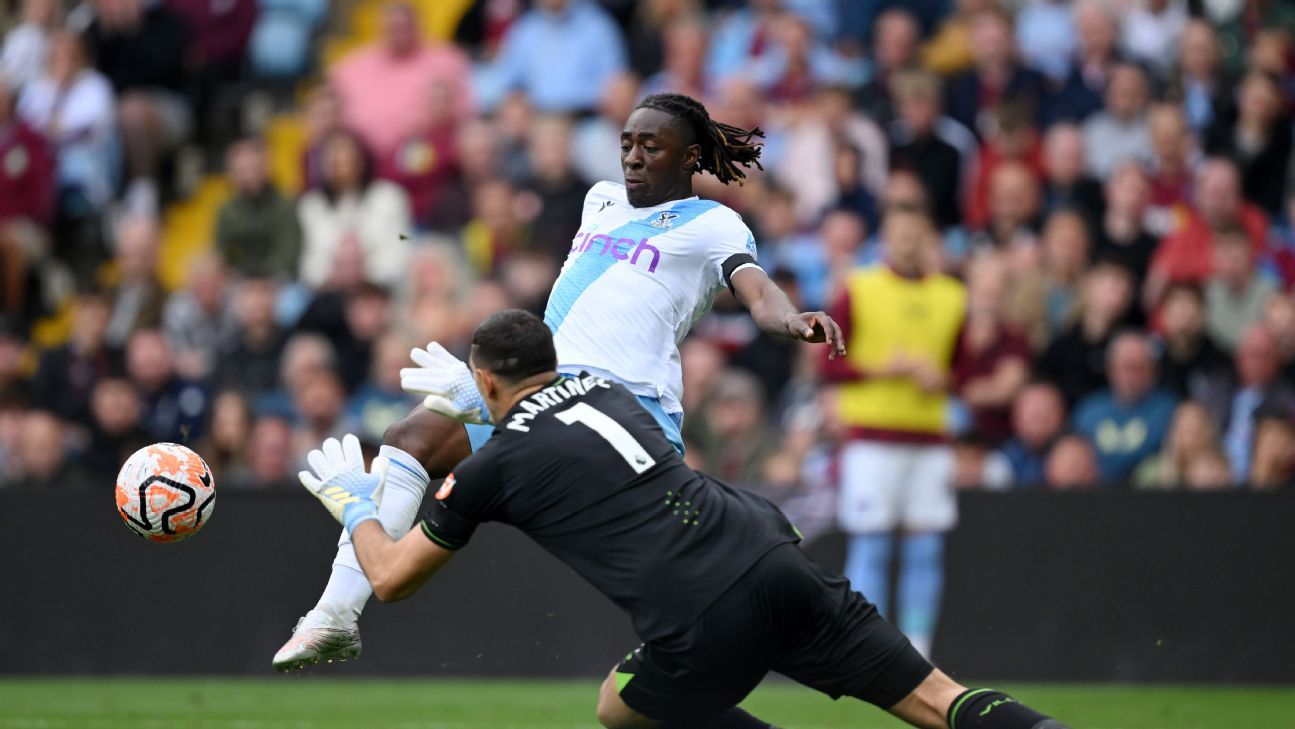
1111,179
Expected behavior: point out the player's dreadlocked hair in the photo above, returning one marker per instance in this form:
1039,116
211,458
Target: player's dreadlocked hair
723,147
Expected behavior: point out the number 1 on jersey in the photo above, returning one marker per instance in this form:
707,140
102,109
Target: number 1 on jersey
611,431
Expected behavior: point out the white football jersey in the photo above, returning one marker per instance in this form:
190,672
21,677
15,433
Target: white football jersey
634,283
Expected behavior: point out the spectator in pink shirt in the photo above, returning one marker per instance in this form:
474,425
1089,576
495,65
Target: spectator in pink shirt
376,83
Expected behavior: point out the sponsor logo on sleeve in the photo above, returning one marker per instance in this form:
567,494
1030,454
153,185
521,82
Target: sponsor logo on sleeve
447,486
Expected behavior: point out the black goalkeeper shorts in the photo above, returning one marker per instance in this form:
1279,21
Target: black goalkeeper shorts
786,614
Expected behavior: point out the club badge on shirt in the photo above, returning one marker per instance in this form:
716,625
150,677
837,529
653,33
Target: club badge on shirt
664,220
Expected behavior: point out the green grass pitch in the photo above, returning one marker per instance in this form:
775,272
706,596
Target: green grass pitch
292,702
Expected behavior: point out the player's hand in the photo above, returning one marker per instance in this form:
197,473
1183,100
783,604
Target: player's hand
340,482
445,384
899,365
816,327
930,379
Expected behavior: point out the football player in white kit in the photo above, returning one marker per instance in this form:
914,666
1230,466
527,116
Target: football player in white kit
645,265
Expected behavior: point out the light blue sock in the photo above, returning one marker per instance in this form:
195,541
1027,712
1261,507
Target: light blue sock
867,567
921,582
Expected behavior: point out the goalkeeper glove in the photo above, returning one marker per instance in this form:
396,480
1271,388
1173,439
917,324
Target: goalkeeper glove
445,384
350,493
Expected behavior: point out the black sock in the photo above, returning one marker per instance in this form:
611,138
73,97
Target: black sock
733,718
989,709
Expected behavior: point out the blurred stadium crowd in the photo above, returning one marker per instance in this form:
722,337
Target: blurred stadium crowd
1110,179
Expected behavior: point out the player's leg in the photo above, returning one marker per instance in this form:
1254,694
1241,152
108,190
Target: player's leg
695,678
927,706
844,647
422,446
872,477
940,703
921,583
867,565
614,713
930,509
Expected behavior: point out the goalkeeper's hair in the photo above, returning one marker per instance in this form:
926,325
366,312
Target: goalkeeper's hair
513,345
724,149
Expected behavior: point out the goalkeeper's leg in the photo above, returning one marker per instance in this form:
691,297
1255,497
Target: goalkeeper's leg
422,447
940,702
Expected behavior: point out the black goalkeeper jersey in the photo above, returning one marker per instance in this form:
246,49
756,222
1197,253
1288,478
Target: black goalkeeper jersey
587,473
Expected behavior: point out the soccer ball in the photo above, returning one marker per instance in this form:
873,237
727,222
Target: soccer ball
165,492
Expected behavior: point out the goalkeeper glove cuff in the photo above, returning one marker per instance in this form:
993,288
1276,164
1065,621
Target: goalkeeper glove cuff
361,511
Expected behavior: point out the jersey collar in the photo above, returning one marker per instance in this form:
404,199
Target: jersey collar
664,204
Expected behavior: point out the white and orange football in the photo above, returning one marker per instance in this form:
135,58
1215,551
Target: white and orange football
165,492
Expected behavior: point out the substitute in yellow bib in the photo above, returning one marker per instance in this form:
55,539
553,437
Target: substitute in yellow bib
902,324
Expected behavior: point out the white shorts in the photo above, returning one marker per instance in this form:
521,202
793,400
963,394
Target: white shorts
889,485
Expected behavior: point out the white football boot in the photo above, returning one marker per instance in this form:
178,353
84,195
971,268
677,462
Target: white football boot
315,639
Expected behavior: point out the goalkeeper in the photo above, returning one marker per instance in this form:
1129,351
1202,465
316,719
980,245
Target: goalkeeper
712,576
645,265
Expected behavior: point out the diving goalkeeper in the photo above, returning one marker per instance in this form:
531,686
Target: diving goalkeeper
712,576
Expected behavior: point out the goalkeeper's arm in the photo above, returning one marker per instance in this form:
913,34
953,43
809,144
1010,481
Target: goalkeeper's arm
396,569
351,493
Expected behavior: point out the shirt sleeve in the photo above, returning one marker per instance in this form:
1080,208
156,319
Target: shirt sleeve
467,497
732,249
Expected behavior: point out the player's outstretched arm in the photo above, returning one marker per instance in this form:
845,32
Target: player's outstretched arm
397,569
773,312
351,494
